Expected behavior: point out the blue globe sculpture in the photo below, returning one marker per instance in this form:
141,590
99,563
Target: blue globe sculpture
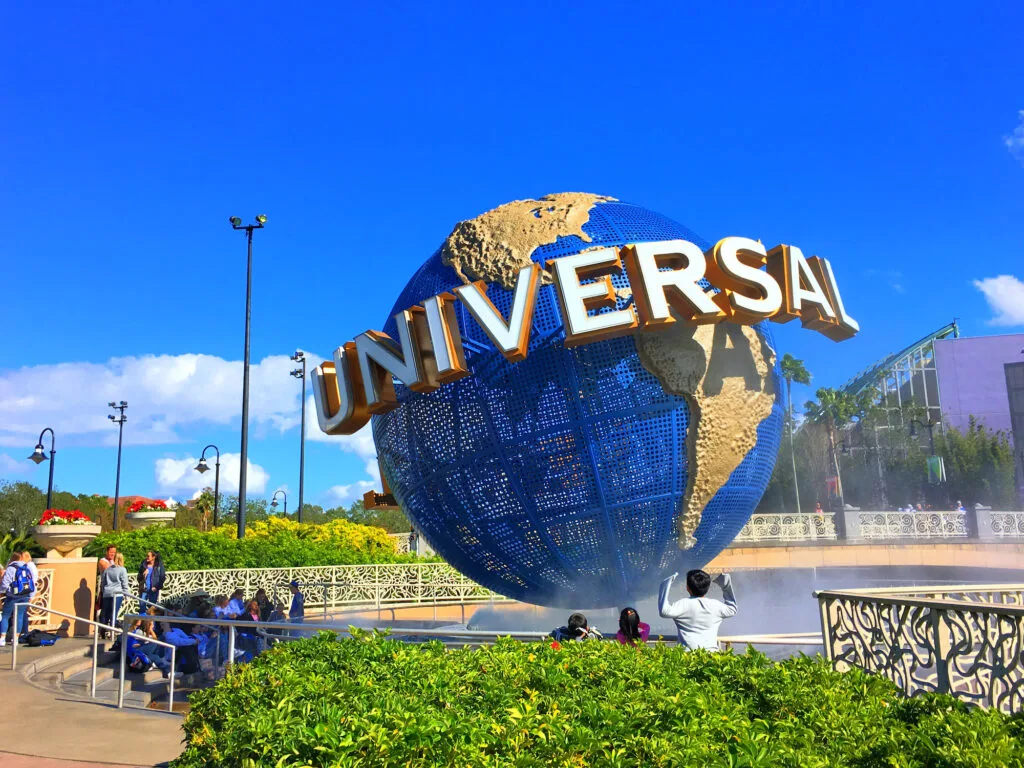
558,480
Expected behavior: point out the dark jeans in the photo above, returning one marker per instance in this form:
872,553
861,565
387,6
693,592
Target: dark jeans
110,607
153,595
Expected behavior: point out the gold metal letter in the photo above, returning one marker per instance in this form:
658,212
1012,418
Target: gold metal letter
577,300
437,333
657,291
338,393
747,295
802,295
511,339
380,359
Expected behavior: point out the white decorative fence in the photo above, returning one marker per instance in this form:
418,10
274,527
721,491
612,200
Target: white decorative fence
1007,524
967,641
340,586
913,525
787,527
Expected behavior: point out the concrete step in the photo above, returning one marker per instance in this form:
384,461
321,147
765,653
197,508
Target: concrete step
80,682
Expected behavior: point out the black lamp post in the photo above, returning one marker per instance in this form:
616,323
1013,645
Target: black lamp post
39,457
298,357
236,223
273,501
202,467
119,420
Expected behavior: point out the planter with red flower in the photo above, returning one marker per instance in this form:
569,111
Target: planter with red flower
146,512
63,533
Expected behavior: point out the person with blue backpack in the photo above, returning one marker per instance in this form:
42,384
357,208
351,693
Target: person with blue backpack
17,586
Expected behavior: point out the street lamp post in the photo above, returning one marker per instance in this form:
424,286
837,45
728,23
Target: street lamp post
273,501
236,223
202,467
119,420
299,357
39,457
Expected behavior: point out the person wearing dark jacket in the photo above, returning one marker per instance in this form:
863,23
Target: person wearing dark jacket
151,578
576,629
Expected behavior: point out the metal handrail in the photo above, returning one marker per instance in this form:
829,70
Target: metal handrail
923,602
895,591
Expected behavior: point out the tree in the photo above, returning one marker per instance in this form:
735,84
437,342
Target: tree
979,465
793,370
836,409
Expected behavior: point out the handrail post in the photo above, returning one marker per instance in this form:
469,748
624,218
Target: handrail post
95,658
124,657
14,639
231,648
174,669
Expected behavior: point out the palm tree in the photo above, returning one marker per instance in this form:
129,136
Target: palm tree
793,370
836,409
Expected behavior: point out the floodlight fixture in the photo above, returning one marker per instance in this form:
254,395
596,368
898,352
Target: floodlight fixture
236,221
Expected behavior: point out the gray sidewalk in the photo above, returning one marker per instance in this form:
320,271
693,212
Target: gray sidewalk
42,723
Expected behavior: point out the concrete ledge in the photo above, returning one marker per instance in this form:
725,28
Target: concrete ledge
942,552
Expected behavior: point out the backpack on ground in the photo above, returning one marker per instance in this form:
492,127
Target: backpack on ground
36,638
23,585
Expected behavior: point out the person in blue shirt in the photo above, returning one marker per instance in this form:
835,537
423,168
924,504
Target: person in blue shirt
297,611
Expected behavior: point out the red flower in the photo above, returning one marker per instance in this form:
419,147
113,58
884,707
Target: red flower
556,646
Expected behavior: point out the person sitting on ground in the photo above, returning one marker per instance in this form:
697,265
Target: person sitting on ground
236,605
631,629
142,653
220,606
575,629
113,588
297,611
264,603
698,617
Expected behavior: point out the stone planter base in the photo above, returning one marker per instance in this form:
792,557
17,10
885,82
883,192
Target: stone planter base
151,517
64,541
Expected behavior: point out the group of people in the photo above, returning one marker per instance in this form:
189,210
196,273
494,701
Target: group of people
17,586
113,583
697,617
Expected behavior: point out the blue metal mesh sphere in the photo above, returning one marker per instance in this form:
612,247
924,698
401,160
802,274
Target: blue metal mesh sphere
557,480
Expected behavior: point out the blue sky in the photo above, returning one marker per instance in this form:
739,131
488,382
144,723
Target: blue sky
888,139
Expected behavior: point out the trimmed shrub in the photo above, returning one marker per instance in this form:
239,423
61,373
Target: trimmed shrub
373,701
275,543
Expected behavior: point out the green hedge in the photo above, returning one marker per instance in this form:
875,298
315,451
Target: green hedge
266,545
372,701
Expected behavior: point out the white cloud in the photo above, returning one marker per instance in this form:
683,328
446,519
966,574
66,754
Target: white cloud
346,494
11,466
1015,143
1005,295
361,444
180,476
164,393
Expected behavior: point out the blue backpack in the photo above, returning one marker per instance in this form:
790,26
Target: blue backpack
22,586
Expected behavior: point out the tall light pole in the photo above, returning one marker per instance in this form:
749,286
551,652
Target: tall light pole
202,467
39,457
119,420
236,223
298,357
273,501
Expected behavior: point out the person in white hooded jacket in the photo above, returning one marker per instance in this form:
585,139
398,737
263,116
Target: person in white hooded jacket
698,617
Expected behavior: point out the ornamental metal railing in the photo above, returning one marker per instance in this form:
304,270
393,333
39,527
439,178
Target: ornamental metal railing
787,527
965,640
913,525
1007,524
335,586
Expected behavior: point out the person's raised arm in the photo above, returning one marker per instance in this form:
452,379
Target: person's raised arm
724,580
666,609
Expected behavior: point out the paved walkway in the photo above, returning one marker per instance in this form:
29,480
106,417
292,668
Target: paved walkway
40,723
